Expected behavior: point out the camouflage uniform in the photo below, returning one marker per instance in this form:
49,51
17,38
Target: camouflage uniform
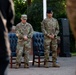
23,46
49,27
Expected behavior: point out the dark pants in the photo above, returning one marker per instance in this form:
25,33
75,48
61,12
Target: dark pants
3,66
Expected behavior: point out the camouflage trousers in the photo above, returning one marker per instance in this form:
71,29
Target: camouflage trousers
53,45
23,49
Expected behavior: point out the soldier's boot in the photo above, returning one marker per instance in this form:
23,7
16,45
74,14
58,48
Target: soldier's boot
55,65
26,65
17,65
46,65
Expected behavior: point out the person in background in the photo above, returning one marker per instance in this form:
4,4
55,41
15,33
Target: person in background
50,28
71,14
6,22
13,29
24,32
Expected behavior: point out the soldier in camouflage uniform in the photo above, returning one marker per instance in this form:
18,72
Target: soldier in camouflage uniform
50,28
24,32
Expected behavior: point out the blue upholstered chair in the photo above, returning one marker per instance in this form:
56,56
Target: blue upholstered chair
13,43
38,46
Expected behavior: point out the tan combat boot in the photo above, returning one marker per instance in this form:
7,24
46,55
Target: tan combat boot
26,65
17,65
55,65
46,65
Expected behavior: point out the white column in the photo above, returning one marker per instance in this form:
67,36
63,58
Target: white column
44,8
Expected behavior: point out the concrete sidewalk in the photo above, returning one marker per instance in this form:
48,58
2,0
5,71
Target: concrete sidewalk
68,67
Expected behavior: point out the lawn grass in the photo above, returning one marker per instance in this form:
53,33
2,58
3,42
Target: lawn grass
73,54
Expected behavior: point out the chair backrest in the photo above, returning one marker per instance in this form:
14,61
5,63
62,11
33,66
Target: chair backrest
38,43
13,43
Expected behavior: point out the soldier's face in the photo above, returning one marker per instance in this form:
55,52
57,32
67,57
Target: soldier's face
49,15
23,20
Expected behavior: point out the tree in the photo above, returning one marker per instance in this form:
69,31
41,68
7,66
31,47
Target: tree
28,2
20,8
35,14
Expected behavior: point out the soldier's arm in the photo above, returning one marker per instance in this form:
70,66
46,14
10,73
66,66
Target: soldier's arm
43,28
18,32
30,34
57,29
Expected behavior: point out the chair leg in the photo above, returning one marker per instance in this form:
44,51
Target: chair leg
33,60
44,62
38,61
11,62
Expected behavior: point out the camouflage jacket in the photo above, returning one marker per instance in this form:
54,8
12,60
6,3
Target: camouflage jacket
24,29
50,26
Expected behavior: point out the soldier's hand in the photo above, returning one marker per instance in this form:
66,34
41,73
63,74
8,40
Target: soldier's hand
51,36
25,37
17,35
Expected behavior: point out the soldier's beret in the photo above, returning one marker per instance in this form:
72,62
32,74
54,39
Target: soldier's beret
49,11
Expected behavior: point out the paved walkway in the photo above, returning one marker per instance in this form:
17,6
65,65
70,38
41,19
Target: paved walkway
68,67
